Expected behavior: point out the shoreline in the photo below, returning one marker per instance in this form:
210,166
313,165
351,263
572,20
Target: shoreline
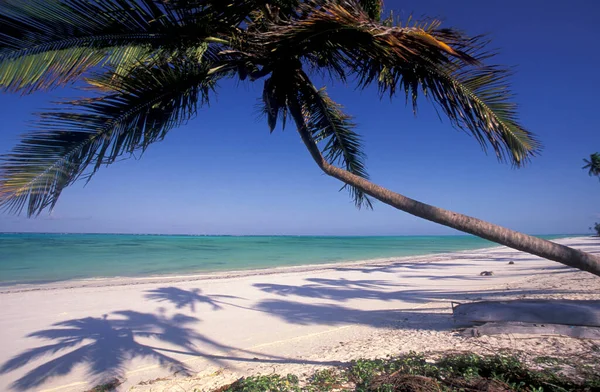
117,281
202,331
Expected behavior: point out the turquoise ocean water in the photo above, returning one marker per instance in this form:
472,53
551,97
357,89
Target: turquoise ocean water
39,258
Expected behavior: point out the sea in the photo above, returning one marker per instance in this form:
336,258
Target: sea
43,258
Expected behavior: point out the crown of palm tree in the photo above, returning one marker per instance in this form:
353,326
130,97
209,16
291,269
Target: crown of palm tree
152,63
593,164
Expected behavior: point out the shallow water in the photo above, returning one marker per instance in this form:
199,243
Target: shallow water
37,258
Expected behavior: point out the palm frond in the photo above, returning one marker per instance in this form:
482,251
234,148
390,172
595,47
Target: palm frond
272,103
330,126
345,31
420,58
478,100
141,108
276,91
45,43
324,119
593,164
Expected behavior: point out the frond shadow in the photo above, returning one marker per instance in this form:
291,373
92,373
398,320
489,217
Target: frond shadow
183,298
343,282
340,291
330,314
103,345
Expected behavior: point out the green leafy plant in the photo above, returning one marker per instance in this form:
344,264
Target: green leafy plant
108,386
326,380
459,372
362,371
453,372
272,383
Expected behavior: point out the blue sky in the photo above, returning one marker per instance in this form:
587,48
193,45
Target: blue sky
223,173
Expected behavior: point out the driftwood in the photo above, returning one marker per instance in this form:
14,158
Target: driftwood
499,328
563,312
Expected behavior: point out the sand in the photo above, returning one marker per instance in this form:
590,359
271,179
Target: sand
181,333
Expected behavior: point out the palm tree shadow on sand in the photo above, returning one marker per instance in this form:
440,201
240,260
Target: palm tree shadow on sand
184,298
105,344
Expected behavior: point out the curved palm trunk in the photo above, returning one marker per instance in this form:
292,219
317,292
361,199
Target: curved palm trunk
513,239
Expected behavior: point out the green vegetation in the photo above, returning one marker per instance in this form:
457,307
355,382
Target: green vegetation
596,228
328,380
107,386
413,372
150,64
593,165
272,383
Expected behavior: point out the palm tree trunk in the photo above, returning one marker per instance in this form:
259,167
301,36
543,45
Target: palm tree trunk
501,235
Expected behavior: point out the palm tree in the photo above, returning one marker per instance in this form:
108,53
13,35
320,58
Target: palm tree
593,164
152,63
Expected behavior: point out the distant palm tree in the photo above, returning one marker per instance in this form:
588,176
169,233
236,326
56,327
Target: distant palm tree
152,63
593,165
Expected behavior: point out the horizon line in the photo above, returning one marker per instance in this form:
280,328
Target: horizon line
278,235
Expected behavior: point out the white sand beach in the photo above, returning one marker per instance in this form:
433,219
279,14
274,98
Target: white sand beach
181,333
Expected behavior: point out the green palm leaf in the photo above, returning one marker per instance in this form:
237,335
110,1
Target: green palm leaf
276,91
593,164
48,43
324,120
329,125
45,43
476,99
141,109
343,33
442,64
